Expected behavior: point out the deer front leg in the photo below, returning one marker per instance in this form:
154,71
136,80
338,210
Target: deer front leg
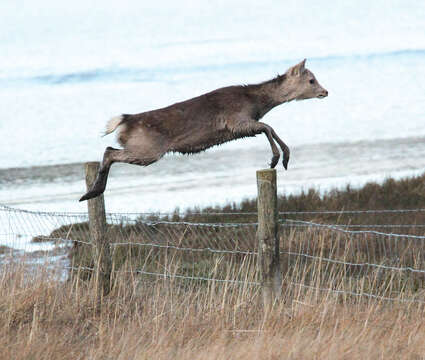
259,127
284,147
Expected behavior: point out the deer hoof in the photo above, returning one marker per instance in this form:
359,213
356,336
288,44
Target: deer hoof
285,162
90,195
275,160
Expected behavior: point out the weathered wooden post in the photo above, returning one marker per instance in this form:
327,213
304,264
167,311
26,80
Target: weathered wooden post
97,225
267,234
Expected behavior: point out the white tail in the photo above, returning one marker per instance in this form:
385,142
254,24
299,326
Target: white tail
113,124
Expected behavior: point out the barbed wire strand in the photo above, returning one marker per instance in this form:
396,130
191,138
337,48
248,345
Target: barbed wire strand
313,212
199,278
381,266
345,292
336,228
338,212
358,225
218,251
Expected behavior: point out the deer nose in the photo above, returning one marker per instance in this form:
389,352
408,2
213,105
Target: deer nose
325,92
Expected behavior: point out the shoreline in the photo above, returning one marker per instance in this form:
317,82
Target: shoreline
213,177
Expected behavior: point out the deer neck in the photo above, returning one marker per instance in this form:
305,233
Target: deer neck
268,95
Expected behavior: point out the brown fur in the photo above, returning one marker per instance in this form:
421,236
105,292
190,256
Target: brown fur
211,119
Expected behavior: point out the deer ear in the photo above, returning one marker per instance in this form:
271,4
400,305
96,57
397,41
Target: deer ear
298,69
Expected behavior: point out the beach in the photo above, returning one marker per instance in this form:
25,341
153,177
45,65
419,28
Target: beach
55,106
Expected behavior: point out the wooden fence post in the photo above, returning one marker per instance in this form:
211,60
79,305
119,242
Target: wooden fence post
97,225
267,234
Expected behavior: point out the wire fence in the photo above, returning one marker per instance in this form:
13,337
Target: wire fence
381,256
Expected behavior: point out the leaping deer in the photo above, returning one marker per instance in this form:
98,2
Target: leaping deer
214,118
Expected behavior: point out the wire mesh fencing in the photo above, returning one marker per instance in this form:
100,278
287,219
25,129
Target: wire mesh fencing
365,255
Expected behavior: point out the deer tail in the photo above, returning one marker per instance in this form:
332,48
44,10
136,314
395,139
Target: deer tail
114,123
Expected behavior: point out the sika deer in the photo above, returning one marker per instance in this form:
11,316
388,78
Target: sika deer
214,118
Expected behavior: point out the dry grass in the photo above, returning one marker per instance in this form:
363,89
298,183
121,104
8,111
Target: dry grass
153,318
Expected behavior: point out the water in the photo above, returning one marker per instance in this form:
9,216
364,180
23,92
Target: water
65,69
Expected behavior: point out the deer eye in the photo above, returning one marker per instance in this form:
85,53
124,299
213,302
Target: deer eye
311,81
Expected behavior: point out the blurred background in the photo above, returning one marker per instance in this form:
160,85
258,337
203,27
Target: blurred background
67,67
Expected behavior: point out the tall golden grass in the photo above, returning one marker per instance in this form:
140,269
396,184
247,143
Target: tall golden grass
327,310
149,317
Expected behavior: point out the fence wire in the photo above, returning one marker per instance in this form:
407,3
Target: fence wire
328,252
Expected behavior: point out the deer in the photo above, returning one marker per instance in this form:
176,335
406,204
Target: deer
214,118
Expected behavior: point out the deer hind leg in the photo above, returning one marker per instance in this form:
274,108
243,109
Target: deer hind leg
111,156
